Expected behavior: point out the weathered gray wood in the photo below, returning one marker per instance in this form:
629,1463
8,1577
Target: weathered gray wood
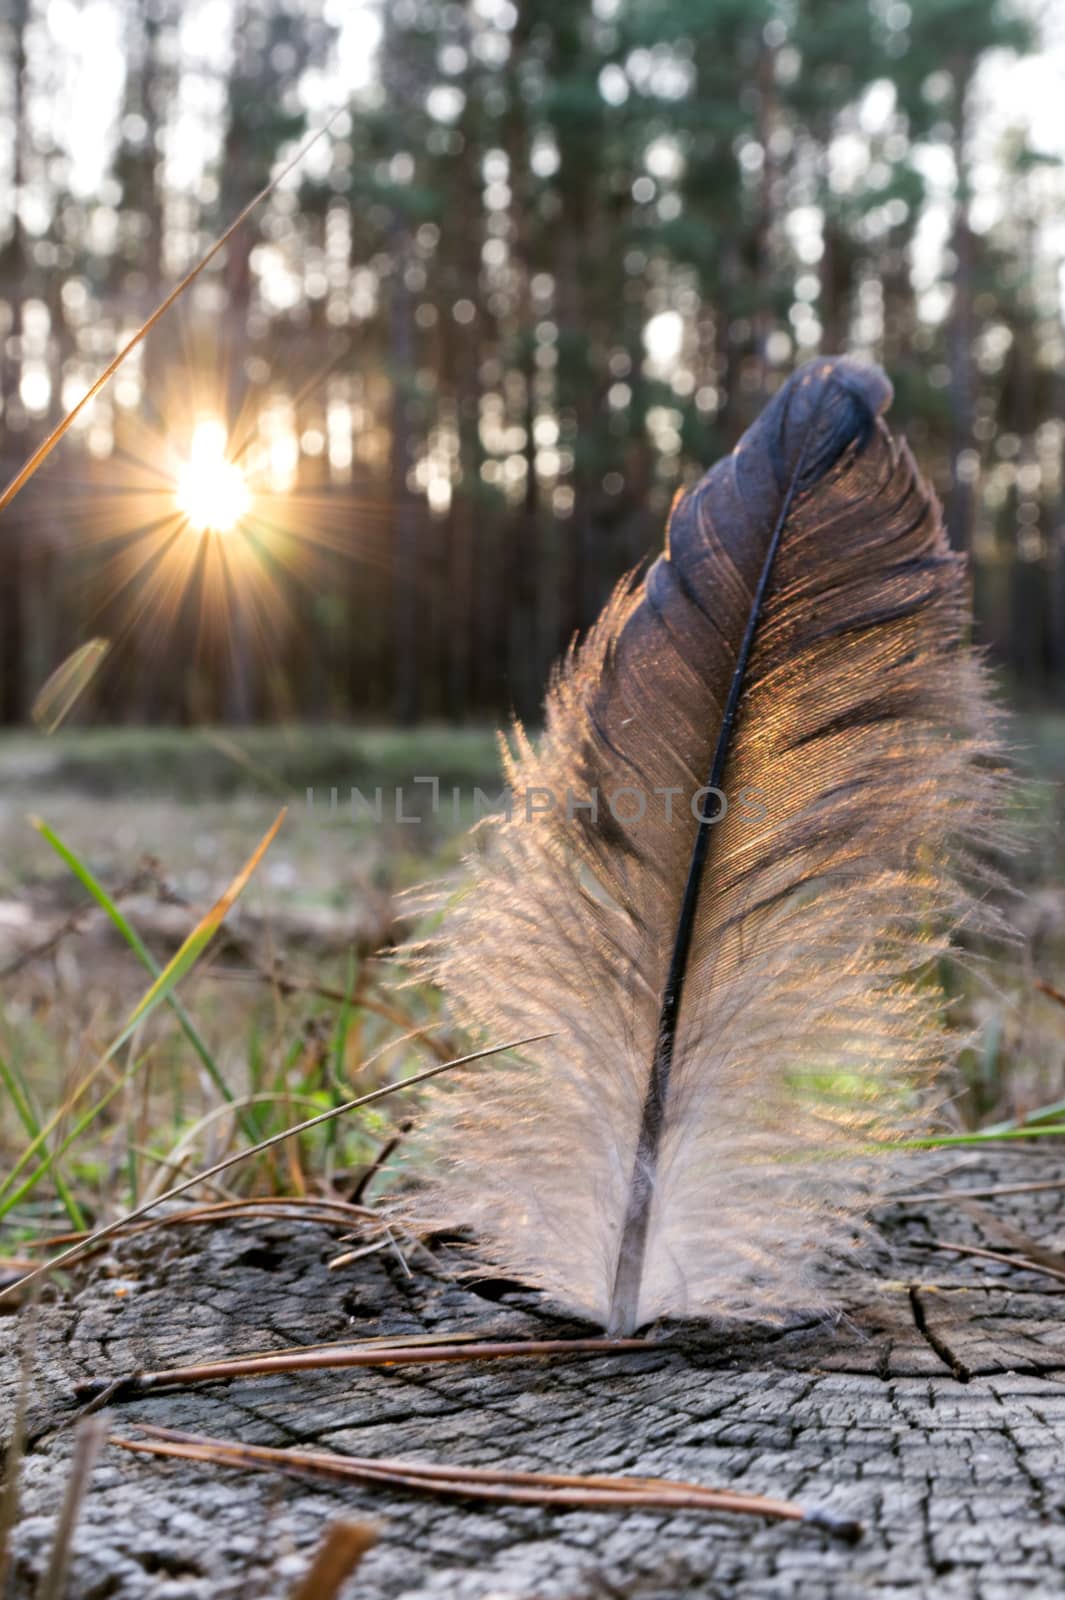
945,1435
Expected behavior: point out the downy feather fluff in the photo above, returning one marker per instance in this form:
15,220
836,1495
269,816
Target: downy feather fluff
733,1000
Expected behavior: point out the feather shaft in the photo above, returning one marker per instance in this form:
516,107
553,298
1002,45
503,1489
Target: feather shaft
624,1300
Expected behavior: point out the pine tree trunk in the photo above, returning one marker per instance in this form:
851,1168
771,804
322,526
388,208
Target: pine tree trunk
961,503
13,619
406,576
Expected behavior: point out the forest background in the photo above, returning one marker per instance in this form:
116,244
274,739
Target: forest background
548,262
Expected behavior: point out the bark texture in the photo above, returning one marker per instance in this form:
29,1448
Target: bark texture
931,1407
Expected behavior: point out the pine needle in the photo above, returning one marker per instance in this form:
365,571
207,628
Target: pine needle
319,1358
342,1548
1021,1263
9,1499
89,1437
564,1490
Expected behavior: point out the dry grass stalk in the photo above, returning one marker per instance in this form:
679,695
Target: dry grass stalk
44,450
342,1548
89,1437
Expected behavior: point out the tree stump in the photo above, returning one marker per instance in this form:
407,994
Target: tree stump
930,1406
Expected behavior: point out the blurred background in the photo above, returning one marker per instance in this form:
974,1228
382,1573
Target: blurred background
367,479
396,445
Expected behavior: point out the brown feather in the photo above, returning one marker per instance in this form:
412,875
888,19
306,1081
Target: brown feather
732,979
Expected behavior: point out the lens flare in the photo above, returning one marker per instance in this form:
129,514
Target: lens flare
208,531
211,490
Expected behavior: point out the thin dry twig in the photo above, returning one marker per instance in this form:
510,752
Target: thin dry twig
287,986
88,1438
76,1252
1049,990
342,1548
386,1152
593,1492
322,1357
954,1195
1020,1262
74,924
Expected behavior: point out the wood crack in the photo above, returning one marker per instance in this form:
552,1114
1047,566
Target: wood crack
953,1362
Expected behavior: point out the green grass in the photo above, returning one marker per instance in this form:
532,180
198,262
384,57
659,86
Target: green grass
109,1079
102,1103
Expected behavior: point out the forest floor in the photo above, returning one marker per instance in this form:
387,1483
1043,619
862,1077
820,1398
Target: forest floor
166,818
198,801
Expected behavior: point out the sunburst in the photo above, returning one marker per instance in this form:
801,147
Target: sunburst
211,491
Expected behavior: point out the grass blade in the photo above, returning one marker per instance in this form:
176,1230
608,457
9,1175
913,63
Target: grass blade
190,952
63,688
11,1198
1041,1114
129,933
982,1136
165,979
20,1100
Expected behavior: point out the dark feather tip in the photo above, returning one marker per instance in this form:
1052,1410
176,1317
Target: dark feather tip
840,400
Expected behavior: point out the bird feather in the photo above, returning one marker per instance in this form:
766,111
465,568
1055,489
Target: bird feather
741,836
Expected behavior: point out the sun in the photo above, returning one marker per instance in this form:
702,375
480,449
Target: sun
211,491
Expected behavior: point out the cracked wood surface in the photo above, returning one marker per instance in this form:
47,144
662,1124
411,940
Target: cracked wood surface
931,1407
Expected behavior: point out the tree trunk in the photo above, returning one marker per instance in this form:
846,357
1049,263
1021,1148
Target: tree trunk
13,544
930,1408
961,504
406,577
